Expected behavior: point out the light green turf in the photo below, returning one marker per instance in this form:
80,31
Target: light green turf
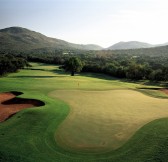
30,134
104,120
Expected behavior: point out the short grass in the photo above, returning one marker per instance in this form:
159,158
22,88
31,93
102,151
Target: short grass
32,134
100,121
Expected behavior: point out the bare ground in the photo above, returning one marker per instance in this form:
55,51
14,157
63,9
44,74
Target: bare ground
10,105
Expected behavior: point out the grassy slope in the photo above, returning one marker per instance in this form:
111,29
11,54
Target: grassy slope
29,135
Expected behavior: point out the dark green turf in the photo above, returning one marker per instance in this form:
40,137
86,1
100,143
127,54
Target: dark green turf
29,135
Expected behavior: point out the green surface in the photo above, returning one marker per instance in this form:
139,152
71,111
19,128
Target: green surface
31,135
101,121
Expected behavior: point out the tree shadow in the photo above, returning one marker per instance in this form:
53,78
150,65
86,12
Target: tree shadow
149,88
99,76
156,83
146,82
55,71
37,69
59,71
102,76
36,77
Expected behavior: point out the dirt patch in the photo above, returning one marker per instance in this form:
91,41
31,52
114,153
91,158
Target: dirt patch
164,90
10,104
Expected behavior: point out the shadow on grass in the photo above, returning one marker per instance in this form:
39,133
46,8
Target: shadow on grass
146,88
55,71
36,77
141,82
147,83
59,71
99,76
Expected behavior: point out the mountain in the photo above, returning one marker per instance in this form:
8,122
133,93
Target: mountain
91,47
130,45
22,39
164,44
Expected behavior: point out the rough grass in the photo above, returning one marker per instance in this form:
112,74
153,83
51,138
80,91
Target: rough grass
30,134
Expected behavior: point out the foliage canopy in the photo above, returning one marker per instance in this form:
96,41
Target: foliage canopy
73,65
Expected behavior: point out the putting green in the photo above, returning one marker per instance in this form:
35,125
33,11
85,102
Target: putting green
101,121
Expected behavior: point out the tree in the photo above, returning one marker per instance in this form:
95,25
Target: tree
73,65
165,73
156,75
10,63
135,71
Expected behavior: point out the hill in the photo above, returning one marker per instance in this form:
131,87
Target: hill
130,45
19,39
22,39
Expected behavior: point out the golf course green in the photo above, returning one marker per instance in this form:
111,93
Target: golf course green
87,117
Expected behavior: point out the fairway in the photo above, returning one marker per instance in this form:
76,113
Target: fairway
100,121
86,118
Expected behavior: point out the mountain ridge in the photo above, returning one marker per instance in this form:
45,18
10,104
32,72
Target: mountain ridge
18,38
22,39
130,45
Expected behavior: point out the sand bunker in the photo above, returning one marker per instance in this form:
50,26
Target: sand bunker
10,104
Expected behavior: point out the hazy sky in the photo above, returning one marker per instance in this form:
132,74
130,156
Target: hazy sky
102,22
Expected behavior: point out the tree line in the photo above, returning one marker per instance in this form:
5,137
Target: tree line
130,67
134,64
136,67
10,64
